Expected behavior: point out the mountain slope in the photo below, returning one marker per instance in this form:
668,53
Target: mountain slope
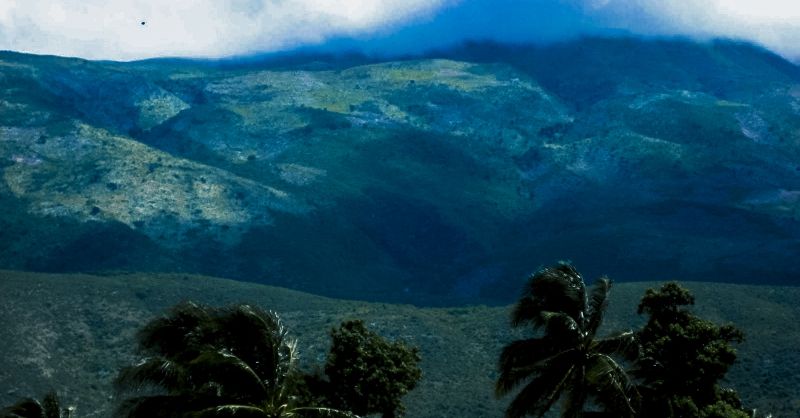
427,181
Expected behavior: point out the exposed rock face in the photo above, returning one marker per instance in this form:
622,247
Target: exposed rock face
426,181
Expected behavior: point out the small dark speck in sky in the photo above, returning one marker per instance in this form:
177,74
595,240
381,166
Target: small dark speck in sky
144,23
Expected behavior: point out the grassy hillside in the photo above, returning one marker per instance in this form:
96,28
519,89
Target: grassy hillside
72,332
430,181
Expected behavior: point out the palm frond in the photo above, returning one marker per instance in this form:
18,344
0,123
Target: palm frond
233,377
248,411
538,396
25,408
322,412
525,312
235,411
206,356
184,329
528,352
154,371
576,394
598,302
259,338
555,302
511,377
611,385
624,344
558,289
560,327
152,407
51,405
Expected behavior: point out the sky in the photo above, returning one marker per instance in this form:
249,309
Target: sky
137,29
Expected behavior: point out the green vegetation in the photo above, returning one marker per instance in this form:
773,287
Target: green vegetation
568,361
684,358
367,374
457,369
50,407
678,358
438,175
214,362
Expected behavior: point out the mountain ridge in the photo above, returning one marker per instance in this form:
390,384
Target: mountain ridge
427,181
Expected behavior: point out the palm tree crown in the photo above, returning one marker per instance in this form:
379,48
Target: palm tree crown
214,362
50,407
565,360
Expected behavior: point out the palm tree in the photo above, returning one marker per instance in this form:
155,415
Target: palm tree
212,362
566,360
50,407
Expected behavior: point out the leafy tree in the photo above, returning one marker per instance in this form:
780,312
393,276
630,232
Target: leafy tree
366,373
566,360
683,359
214,362
50,407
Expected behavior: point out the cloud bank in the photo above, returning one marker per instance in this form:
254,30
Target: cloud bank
102,29
774,24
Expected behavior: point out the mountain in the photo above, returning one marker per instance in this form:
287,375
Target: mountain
436,180
72,333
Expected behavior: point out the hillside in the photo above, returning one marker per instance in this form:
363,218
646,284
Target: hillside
430,181
73,332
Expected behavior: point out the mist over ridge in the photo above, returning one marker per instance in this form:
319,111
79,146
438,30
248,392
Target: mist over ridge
131,30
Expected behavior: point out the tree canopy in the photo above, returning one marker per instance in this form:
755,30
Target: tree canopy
366,373
684,357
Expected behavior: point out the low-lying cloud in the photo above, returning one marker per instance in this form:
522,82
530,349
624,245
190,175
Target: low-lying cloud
103,29
134,29
774,24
